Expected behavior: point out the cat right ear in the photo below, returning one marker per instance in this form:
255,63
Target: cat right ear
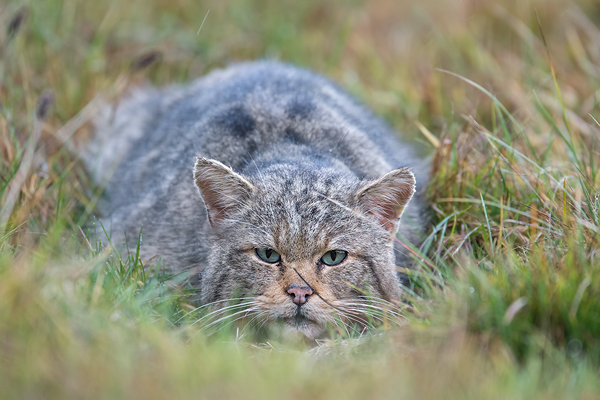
387,197
221,188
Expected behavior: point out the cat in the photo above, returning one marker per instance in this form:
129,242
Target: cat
267,180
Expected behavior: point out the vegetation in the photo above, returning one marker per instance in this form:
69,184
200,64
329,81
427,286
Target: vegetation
504,300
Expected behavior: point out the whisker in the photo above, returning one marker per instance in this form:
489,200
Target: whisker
376,300
332,319
379,300
355,318
225,317
344,325
360,321
381,319
378,316
374,312
250,312
223,310
210,304
383,311
265,320
258,315
375,307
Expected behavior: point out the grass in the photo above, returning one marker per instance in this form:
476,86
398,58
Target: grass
505,294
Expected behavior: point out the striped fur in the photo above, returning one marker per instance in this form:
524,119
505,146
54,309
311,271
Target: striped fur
284,159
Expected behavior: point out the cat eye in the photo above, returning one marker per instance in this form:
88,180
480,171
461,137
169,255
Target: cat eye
268,255
334,257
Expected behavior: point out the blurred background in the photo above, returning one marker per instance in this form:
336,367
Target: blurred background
386,52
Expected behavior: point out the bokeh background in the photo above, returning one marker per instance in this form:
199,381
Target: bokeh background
386,52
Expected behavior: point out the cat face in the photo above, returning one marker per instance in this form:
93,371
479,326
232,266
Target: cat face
302,246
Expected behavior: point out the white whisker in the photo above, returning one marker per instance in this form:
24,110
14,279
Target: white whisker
250,312
223,310
210,304
381,310
225,317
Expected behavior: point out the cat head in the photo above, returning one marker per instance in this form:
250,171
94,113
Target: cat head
303,245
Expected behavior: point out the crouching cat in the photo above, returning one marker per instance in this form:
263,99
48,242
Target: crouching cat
268,181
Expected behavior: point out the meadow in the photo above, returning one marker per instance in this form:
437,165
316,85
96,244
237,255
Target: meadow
504,297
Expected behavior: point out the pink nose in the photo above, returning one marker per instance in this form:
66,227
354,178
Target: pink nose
299,294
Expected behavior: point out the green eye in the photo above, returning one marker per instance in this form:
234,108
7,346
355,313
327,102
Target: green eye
268,255
334,257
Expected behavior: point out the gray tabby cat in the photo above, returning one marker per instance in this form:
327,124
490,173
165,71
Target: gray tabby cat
267,180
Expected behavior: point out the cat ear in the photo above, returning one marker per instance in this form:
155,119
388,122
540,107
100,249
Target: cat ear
387,197
221,188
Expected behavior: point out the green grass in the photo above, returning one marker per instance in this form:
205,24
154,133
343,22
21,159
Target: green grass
504,300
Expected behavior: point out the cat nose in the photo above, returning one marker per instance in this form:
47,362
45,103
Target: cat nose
299,294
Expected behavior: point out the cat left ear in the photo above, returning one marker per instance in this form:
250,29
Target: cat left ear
387,197
221,188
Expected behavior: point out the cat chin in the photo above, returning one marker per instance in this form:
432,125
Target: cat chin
310,329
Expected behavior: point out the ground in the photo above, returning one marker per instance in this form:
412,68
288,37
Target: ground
504,300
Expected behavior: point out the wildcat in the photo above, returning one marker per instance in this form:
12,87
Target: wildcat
267,180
